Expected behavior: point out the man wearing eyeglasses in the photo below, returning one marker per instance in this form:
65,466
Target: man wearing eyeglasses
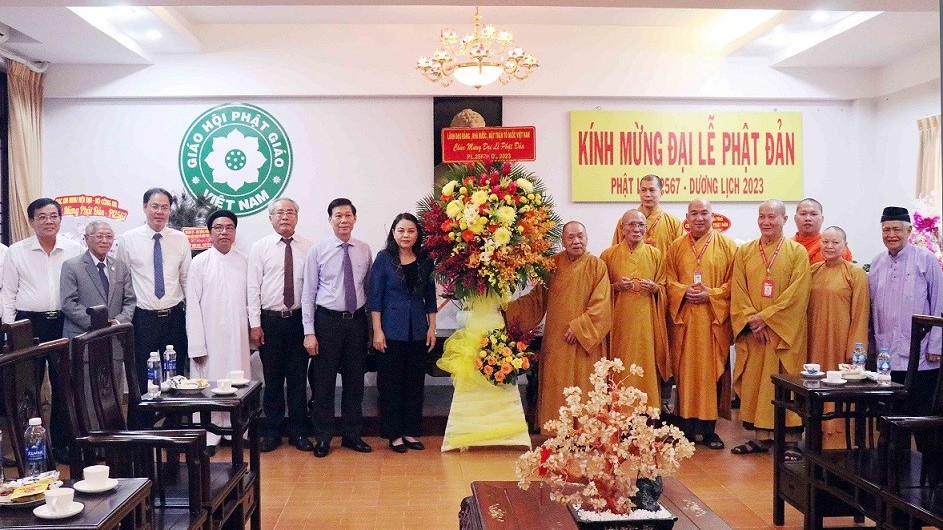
217,321
31,291
273,291
904,281
159,258
95,278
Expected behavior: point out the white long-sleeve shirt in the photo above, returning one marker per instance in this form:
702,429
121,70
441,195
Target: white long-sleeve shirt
31,277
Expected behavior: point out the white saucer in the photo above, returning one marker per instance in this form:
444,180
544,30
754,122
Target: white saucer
85,487
816,375
838,382
241,382
221,392
43,511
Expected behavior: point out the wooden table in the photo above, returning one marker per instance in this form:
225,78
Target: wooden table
128,507
860,400
505,506
244,409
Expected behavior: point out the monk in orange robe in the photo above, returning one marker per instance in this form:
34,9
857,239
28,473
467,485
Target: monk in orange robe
661,228
839,306
637,276
768,301
809,220
698,268
578,306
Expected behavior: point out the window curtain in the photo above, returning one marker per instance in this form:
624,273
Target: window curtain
25,93
930,164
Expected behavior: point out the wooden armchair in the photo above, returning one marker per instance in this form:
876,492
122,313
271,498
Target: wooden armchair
22,370
212,490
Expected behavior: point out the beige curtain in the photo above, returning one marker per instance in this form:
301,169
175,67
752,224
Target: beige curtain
25,92
930,164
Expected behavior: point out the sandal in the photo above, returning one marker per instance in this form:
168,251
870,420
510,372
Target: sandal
792,453
713,441
753,446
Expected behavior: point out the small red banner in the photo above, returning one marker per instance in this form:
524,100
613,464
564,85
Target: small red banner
507,144
721,223
199,237
91,206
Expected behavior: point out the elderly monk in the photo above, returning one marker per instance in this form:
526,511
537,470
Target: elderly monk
839,305
578,306
809,220
698,268
768,301
661,228
639,335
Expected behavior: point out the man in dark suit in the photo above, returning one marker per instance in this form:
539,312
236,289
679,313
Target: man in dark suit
94,278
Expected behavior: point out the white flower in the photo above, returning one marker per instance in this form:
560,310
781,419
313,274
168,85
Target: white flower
525,185
235,159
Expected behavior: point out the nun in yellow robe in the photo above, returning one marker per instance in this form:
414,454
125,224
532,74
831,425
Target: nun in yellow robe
578,306
768,302
639,335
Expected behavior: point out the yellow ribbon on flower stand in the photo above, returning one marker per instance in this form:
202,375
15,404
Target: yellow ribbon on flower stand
481,413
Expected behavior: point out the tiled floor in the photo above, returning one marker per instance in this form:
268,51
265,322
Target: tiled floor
421,490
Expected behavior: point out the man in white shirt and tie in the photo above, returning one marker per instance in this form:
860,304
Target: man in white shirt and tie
335,326
159,258
273,291
31,273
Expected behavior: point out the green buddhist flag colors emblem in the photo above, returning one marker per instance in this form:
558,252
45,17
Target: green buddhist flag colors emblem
236,155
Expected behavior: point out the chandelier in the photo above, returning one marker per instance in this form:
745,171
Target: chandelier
477,59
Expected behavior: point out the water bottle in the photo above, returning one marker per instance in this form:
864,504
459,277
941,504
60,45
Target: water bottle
153,375
35,438
170,362
859,357
884,366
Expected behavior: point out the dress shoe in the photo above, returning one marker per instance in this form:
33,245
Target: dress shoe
302,443
210,451
401,448
357,444
413,444
321,449
269,443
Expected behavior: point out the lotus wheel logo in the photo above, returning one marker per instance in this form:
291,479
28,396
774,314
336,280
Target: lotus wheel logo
236,155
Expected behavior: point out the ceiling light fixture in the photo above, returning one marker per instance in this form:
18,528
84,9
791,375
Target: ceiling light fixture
477,59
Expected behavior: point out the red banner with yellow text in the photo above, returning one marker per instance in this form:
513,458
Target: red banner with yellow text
720,156
91,206
471,144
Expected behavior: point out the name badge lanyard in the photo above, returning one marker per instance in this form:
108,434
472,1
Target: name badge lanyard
697,255
768,283
649,238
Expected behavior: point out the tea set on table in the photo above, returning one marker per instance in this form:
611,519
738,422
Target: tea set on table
61,503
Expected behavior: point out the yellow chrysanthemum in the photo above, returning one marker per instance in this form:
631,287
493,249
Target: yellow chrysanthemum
502,236
449,188
479,197
454,209
505,215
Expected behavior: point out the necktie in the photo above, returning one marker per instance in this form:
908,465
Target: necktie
289,287
158,268
104,279
350,292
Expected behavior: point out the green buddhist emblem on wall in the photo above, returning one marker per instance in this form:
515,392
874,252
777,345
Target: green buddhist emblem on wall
236,155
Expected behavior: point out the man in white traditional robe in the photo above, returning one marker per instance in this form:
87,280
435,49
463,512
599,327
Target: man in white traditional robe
217,318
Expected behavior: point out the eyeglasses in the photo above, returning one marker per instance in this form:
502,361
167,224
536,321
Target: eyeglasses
284,213
892,230
224,228
42,218
158,207
100,237
634,225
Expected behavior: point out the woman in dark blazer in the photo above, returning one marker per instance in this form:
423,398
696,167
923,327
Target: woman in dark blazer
402,305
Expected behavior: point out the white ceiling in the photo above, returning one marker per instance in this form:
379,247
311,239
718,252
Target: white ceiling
882,32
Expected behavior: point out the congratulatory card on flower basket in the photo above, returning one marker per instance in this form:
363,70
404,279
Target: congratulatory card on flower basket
490,229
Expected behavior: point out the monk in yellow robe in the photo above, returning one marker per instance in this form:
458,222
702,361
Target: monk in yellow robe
768,301
698,268
661,228
578,306
637,276
839,306
809,220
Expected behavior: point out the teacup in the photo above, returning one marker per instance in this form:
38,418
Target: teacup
237,375
96,475
833,375
811,368
59,499
224,385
